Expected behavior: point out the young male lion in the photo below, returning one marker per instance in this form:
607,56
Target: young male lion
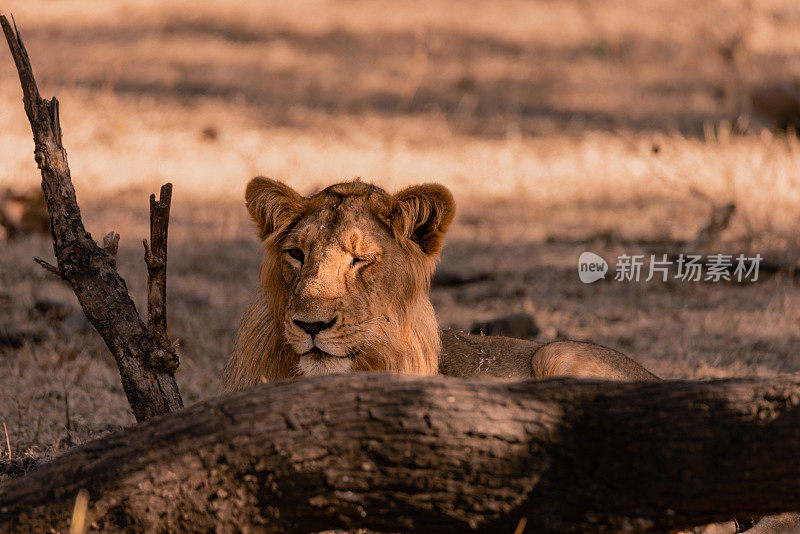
344,286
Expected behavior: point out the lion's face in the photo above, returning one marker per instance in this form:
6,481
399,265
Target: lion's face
343,272
347,273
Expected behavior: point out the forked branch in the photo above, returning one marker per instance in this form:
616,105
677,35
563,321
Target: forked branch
90,269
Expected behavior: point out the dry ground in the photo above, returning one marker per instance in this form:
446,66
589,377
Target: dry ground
560,126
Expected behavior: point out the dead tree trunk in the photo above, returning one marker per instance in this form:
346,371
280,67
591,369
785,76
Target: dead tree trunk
436,454
145,365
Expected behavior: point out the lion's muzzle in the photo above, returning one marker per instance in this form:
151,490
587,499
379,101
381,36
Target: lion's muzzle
315,327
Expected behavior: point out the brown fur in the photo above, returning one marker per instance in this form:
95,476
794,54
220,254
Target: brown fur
468,355
384,319
381,314
585,360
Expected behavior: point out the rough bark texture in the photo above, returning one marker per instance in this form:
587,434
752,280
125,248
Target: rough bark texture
436,454
156,259
90,270
155,256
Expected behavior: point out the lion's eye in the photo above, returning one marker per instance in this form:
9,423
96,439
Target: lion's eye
296,254
359,261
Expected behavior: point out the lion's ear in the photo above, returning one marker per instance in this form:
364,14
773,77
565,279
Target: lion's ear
272,205
423,213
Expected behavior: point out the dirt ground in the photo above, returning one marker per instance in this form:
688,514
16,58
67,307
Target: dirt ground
561,127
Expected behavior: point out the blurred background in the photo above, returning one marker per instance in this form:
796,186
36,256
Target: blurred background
560,126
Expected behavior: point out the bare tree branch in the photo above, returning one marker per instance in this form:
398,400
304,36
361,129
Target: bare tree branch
156,259
155,256
49,267
101,291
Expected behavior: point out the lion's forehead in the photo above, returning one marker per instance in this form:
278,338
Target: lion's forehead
348,226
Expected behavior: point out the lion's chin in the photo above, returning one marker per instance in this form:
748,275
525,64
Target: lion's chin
317,363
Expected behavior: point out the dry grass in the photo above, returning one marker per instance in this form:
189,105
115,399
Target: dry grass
552,122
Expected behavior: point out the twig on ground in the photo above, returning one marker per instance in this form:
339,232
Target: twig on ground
8,441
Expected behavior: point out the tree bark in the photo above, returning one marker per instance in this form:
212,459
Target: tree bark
156,259
155,256
151,388
436,454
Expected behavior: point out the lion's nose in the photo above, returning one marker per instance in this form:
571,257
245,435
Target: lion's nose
315,327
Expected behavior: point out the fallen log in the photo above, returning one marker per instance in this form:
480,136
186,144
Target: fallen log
435,454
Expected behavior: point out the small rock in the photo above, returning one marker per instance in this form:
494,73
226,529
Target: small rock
519,325
761,345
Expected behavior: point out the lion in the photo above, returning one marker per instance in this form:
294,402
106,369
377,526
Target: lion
344,286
